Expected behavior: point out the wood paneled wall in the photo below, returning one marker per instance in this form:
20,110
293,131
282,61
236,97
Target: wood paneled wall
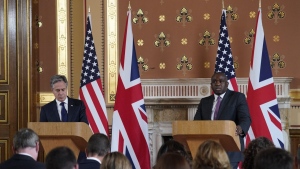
17,94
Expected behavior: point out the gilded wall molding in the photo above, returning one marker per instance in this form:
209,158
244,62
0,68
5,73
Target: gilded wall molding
295,94
3,148
4,106
112,50
62,37
3,53
45,97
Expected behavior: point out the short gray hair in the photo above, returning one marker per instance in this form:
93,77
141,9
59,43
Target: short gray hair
58,78
25,138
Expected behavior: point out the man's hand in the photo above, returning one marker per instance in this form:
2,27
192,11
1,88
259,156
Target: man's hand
239,131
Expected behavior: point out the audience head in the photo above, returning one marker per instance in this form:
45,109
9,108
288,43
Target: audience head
211,155
273,158
59,86
98,145
172,161
26,141
253,148
61,158
115,160
173,146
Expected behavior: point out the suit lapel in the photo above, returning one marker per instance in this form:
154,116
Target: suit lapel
70,109
55,111
223,103
210,106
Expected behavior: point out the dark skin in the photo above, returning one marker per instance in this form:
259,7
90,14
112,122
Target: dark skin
219,85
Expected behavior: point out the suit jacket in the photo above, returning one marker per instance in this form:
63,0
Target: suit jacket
233,107
21,161
76,112
89,164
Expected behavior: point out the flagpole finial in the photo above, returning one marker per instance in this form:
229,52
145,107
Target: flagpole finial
223,4
129,7
89,9
259,4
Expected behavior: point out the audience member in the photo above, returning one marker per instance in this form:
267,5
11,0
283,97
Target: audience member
61,158
173,146
211,155
115,160
172,161
273,158
62,108
26,148
97,147
298,158
254,147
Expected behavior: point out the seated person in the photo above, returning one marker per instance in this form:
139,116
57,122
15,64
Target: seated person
172,161
211,155
97,147
115,160
254,147
273,158
173,146
26,148
298,158
61,158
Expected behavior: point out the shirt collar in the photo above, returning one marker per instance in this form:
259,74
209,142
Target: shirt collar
25,154
93,158
216,96
58,102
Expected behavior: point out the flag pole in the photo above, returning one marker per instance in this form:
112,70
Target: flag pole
259,4
223,4
90,16
129,7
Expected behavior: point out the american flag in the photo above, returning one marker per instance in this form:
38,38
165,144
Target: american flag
130,124
91,87
261,95
224,61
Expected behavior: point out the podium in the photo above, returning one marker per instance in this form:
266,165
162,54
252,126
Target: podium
74,135
192,133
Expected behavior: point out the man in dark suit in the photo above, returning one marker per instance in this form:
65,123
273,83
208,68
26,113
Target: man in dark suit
61,158
225,104
63,108
98,146
26,148
297,158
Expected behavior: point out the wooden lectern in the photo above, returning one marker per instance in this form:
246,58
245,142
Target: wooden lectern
74,135
193,133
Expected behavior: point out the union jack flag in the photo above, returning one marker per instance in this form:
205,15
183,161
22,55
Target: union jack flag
224,61
130,125
91,87
261,95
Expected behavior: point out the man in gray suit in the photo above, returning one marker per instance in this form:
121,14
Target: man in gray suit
63,108
225,104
